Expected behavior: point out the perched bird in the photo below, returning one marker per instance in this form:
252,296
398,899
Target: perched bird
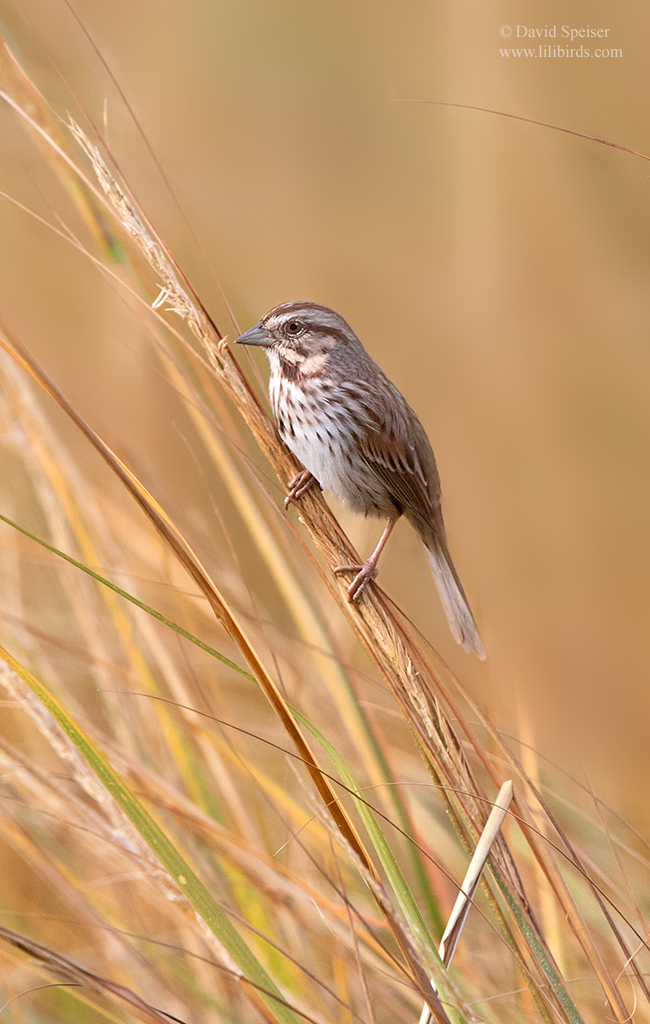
357,438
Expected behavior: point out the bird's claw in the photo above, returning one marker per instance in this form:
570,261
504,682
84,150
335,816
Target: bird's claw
364,574
301,482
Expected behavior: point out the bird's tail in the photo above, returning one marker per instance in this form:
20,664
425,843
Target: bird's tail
452,596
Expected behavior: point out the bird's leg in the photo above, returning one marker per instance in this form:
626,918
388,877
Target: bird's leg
301,482
368,570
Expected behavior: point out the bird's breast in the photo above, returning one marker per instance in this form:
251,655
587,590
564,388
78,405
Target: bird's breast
321,431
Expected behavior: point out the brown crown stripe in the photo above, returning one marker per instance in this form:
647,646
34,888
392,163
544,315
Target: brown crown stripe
295,307
343,334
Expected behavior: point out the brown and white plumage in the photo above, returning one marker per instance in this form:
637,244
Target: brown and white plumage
354,432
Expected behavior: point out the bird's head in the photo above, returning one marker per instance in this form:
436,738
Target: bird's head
301,333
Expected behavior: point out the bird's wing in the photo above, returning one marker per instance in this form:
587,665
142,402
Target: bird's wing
398,451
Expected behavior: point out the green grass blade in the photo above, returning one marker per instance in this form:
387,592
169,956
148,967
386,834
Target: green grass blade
162,847
403,894
129,597
537,950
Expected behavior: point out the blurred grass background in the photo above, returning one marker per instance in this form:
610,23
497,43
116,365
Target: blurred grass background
497,271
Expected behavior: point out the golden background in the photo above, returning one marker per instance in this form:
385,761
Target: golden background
496,270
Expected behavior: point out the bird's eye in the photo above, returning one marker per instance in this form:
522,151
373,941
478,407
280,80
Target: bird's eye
294,327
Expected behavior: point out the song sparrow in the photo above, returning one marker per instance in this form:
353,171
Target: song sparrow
357,437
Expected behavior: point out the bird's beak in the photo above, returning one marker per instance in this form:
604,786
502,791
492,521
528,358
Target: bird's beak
257,335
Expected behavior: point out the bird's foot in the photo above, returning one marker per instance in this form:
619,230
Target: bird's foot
364,573
297,487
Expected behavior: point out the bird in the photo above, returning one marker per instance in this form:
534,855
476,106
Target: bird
357,438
